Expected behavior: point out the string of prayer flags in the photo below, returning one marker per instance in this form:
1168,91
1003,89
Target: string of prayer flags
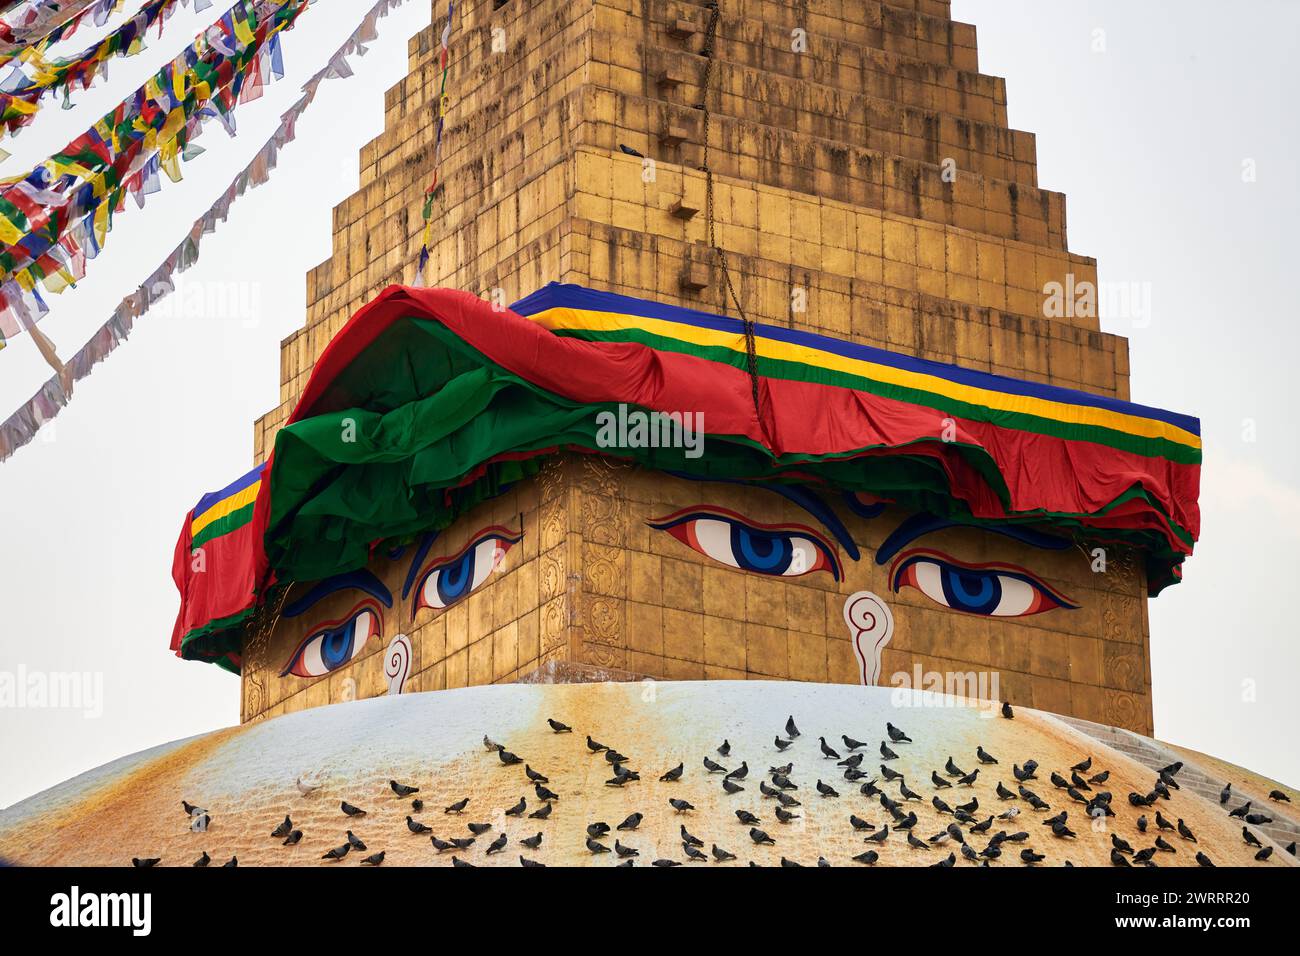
444,58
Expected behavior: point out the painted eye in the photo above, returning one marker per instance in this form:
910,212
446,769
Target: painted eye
989,590
449,580
728,538
335,643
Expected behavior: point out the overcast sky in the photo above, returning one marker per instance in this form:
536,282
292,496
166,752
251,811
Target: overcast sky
1147,127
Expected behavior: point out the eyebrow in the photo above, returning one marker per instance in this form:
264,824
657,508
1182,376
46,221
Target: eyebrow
360,580
808,500
919,525
416,560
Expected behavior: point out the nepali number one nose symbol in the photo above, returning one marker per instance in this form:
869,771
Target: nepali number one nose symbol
871,625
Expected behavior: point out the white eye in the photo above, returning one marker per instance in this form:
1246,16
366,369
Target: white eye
776,553
449,583
330,650
975,591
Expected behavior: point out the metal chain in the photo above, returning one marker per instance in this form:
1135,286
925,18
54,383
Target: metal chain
751,354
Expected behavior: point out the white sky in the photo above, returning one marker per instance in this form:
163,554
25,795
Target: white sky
1147,139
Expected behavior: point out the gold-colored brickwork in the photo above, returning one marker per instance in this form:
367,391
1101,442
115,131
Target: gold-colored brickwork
866,186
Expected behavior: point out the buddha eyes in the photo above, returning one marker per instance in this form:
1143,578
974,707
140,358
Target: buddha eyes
989,590
336,643
449,580
728,538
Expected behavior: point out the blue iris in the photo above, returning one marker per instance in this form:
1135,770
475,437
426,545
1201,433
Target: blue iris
762,551
454,579
336,645
978,592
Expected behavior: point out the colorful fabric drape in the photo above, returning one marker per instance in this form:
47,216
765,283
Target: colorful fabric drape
429,401
21,426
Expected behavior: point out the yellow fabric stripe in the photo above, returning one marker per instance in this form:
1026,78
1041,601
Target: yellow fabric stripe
579,319
225,507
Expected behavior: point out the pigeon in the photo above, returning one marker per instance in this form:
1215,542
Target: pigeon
916,844
1030,857
508,758
1250,838
1142,824
355,841
938,781
890,775
746,818
880,836
625,852
853,761
191,810
1291,848
721,855
1162,823
969,853
415,826
826,790
1225,794
1007,712
489,744
906,793
984,756
969,779
782,744
457,861
1120,844
594,746
478,829
518,808
791,730
952,770
1059,829
558,727
1278,796
725,749
896,735
542,813
1003,793
1099,778
350,810
284,829
1058,781
1204,860
338,853
204,860
1264,854
940,805
545,794
597,830
623,148
374,859
886,753
463,843
758,836
1144,856
681,806
1023,774
417,805
534,776
781,781
693,854
860,824
786,862
1258,819
1185,831
787,801
1241,811
850,743
741,772
293,838
457,807
524,861
1118,859
712,767
982,827
665,863
533,842
441,845
674,774
827,750
595,847
401,789
785,816
231,863
730,786
1083,766
632,822
868,857
689,839
306,786
1164,847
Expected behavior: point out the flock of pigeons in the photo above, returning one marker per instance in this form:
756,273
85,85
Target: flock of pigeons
980,835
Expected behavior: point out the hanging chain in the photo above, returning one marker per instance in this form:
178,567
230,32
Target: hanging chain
751,354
